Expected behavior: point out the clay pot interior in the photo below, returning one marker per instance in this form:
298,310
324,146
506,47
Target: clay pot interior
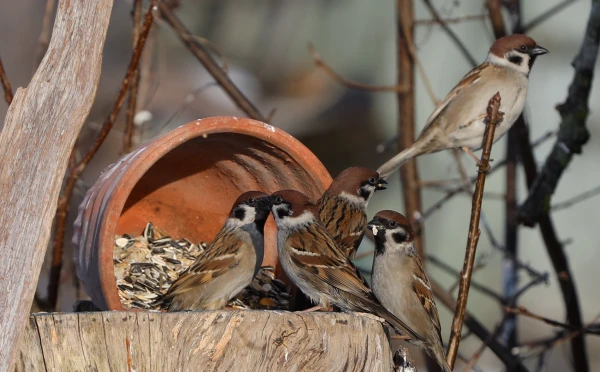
189,190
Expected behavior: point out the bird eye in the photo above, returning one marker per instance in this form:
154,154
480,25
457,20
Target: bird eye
251,201
373,181
278,200
523,48
392,224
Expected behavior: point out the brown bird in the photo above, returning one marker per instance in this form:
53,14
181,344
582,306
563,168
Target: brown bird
229,263
400,283
459,121
315,263
343,207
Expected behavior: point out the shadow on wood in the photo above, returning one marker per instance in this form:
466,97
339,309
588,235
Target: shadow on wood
207,341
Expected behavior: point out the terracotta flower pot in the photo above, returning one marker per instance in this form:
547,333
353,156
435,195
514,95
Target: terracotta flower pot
185,182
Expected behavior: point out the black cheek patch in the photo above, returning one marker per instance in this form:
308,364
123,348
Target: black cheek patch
516,60
281,212
364,193
399,237
239,213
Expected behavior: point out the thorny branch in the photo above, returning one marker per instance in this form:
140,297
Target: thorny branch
64,201
8,95
493,118
573,133
349,83
217,72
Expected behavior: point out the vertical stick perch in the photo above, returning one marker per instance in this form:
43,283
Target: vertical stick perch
493,117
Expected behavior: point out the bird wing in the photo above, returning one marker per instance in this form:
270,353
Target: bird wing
221,256
468,80
318,254
422,288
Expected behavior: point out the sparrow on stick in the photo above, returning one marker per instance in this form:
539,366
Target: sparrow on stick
459,120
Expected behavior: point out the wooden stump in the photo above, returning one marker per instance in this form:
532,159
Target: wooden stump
254,341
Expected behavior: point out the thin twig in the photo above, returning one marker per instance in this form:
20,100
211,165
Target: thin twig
511,362
135,82
547,15
349,83
493,118
443,23
576,199
465,18
64,201
44,39
217,72
521,310
8,95
475,358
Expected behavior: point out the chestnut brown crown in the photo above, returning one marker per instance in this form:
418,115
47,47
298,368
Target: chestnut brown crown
390,220
256,199
517,42
297,202
352,179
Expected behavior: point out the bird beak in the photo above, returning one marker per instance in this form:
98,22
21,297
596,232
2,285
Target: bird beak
265,203
538,51
375,226
381,184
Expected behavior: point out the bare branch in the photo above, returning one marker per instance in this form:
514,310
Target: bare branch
135,81
573,133
576,199
217,72
8,95
493,118
349,83
547,15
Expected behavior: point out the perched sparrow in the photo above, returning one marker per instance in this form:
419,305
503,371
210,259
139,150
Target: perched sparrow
400,283
459,120
343,207
317,266
229,263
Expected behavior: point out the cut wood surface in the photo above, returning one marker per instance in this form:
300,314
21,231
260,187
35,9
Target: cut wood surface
254,341
39,131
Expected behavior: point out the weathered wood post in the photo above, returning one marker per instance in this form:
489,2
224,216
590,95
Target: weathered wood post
40,129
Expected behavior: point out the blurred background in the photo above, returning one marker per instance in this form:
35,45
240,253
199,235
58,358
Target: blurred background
264,44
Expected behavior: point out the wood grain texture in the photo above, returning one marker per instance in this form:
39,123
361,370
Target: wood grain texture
39,131
207,341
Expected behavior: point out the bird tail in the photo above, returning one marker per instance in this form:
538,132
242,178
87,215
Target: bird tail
396,162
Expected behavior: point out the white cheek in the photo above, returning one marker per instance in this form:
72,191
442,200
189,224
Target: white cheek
295,222
249,216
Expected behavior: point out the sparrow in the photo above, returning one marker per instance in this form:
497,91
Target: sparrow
343,207
399,282
459,120
229,263
314,262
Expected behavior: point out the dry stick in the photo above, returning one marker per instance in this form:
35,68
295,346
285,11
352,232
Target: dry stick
512,363
200,52
44,39
493,117
349,83
409,173
64,201
521,310
135,82
8,96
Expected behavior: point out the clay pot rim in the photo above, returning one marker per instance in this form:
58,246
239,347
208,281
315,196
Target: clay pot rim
141,162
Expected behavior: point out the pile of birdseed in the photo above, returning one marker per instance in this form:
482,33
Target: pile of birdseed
147,265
